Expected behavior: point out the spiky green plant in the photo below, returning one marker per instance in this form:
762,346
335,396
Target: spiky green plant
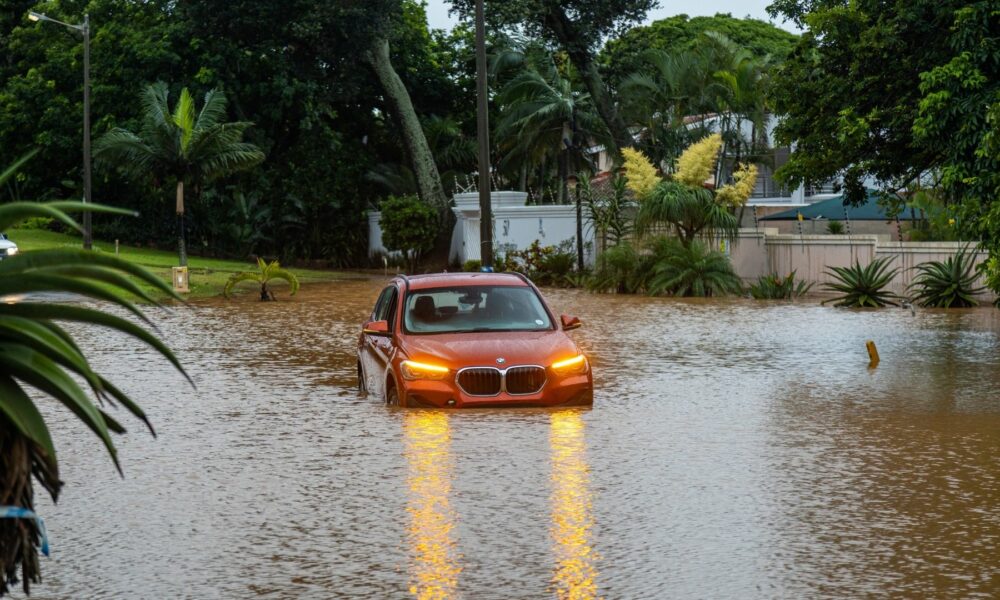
36,352
775,287
265,273
950,283
693,270
863,286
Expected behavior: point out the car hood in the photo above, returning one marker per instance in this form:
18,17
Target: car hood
460,350
7,244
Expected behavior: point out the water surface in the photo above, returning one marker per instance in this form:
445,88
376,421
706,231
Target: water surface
736,449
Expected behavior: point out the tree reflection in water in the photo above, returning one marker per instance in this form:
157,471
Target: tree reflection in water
572,511
435,566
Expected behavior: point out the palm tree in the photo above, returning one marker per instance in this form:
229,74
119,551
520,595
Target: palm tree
38,353
689,210
544,114
266,272
188,146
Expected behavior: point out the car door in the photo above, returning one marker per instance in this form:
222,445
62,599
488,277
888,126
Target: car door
366,352
383,347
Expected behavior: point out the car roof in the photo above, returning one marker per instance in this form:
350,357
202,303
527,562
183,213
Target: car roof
434,280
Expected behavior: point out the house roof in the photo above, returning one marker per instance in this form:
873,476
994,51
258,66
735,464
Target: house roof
834,209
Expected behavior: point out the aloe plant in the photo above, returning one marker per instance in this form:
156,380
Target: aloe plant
947,284
266,272
36,352
863,286
775,287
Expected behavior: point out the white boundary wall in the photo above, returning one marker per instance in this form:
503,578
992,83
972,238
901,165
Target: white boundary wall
515,226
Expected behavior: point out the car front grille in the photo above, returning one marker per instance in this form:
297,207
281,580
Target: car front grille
489,381
524,380
484,381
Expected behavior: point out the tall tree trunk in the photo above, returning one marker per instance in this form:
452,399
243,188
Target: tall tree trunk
181,245
582,57
421,158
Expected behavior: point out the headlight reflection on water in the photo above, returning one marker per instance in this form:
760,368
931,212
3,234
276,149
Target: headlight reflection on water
435,566
572,509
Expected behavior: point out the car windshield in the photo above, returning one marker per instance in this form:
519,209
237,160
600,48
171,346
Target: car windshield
475,308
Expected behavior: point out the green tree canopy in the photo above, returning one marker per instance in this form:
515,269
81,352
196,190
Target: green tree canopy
623,55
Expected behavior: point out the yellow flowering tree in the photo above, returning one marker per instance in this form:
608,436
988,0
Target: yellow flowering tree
738,192
697,163
639,172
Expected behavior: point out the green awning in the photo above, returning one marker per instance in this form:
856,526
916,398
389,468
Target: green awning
833,209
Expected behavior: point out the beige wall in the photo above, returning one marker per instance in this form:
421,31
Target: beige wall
765,251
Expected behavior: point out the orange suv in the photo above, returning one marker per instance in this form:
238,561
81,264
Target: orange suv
469,340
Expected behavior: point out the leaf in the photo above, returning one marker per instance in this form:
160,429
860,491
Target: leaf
21,411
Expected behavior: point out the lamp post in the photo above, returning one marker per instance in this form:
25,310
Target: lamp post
483,133
83,28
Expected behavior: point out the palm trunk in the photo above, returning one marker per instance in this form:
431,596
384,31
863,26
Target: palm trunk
421,158
17,536
181,246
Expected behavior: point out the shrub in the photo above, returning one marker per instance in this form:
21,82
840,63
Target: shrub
991,270
617,270
835,228
774,287
472,266
693,270
947,284
409,226
863,286
43,223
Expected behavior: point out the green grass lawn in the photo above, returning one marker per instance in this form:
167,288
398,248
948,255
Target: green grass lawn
207,275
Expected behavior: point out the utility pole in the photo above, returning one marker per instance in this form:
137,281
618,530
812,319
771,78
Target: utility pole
483,133
88,238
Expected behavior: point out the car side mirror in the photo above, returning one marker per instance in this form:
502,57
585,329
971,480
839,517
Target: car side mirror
380,328
569,323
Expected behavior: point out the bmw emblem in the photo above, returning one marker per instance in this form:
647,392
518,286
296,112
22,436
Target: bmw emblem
501,360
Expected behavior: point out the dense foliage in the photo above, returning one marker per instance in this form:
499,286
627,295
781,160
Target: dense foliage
623,55
409,226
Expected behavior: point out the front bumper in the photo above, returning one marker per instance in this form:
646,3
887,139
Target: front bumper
573,390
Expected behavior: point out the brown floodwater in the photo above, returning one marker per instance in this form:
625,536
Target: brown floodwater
736,449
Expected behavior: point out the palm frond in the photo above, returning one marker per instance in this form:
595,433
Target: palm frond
237,278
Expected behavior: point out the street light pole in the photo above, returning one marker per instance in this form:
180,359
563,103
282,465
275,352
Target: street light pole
483,133
88,240
85,30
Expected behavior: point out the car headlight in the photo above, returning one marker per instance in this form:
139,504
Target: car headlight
412,369
571,366
12,251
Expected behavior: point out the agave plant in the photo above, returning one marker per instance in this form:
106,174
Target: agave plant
863,286
36,352
266,272
947,284
775,287
693,270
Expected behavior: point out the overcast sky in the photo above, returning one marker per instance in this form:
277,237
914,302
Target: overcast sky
437,11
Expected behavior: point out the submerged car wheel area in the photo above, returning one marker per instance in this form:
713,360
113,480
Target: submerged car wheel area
470,340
